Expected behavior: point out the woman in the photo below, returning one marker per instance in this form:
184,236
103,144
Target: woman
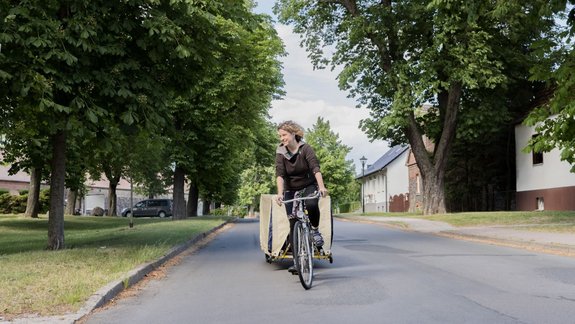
297,169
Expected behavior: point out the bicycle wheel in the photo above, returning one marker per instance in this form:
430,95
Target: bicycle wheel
303,254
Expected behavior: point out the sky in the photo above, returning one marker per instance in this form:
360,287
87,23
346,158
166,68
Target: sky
314,93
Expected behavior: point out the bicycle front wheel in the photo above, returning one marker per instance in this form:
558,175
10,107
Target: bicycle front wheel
303,254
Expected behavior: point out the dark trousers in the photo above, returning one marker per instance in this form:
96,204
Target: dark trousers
312,206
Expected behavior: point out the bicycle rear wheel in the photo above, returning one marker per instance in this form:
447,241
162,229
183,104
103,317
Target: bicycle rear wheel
303,254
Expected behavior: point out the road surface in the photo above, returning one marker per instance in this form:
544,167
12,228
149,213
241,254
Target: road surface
379,275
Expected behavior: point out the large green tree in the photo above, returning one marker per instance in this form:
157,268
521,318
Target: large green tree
219,118
73,65
398,55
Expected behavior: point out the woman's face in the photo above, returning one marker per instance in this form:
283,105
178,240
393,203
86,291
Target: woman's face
286,138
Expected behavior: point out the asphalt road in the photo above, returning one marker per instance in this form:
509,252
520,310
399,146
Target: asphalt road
379,275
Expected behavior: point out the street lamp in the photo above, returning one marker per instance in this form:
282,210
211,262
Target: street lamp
363,159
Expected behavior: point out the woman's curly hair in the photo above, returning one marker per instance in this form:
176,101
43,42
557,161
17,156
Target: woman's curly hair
292,127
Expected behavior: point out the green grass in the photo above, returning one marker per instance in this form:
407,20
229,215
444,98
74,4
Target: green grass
98,251
540,218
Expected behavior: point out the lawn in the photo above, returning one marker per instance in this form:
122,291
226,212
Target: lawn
557,220
99,250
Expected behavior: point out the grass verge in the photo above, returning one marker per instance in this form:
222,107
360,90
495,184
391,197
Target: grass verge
98,251
557,220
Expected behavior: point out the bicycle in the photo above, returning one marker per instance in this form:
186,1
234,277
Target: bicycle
303,245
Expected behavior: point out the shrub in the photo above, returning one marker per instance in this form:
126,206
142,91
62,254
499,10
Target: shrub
5,203
18,204
98,211
44,200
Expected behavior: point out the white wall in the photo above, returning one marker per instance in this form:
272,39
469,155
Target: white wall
398,176
392,180
552,173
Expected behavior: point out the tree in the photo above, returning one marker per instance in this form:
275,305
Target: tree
218,119
71,66
258,178
337,173
396,56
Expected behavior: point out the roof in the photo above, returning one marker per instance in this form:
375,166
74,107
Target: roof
385,160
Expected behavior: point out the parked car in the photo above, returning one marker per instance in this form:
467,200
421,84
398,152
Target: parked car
150,208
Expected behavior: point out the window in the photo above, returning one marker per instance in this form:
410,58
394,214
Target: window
537,156
417,184
153,203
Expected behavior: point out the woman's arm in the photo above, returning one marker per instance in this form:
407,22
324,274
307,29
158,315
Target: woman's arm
280,185
320,184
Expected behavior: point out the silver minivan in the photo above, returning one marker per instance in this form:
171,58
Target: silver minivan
150,208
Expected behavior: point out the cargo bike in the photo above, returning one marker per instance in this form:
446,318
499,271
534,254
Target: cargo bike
274,235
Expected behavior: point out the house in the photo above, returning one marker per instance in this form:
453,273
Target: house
544,182
385,183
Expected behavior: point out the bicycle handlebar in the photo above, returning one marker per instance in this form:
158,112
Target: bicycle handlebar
314,196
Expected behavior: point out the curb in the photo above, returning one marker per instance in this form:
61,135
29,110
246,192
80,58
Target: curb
111,290
548,248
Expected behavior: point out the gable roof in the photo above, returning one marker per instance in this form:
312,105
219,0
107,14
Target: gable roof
385,160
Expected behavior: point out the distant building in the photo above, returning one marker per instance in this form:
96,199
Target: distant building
97,193
385,183
544,182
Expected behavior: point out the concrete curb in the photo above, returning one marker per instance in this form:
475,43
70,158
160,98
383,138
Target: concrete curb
111,290
549,248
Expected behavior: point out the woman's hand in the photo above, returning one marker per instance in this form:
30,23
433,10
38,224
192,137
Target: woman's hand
279,199
323,192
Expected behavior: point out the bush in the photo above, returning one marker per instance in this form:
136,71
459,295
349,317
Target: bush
219,211
98,211
5,203
12,204
4,191
44,200
18,204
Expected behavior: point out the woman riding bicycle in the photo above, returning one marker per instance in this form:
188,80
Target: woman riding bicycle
298,170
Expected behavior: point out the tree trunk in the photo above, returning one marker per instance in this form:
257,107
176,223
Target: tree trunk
71,199
57,190
433,167
206,207
193,196
33,202
113,201
113,175
179,208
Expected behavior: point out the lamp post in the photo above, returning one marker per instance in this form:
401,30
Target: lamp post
363,159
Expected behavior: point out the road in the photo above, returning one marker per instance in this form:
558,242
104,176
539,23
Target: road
379,275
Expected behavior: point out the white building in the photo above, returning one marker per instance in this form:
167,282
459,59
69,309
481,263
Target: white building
544,182
385,183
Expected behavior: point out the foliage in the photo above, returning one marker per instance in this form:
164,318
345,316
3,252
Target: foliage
84,73
554,120
258,177
16,204
398,56
217,123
